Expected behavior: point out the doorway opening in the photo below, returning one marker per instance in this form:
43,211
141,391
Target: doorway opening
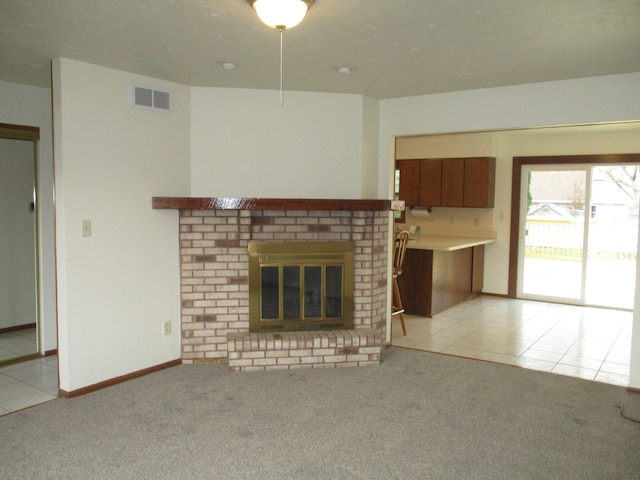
19,297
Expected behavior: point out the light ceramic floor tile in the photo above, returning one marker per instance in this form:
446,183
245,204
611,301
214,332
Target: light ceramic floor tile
18,343
20,395
589,350
496,357
407,342
6,355
550,346
42,386
47,383
574,371
7,380
534,364
615,368
532,353
27,371
612,378
473,342
461,352
581,362
562,339
457,331
508,349
622,357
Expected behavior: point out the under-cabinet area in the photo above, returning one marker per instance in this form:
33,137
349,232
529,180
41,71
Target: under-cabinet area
440,272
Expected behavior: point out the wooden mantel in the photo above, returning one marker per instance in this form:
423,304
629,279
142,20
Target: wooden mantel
235,203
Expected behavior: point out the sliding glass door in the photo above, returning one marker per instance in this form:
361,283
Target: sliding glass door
578,234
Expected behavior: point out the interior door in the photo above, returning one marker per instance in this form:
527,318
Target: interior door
578,234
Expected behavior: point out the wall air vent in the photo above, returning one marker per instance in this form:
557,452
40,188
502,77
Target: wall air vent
149,98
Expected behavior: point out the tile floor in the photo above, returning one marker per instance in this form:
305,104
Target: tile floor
18,343
590,343
28,383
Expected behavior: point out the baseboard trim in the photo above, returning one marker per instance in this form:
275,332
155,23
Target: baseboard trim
498,295
17,328
633,390
116,380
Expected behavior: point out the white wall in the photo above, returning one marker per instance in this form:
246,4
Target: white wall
370,154
612,98
245,144
118,286
26,105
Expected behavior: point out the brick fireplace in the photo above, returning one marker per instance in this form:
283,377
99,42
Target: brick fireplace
214,264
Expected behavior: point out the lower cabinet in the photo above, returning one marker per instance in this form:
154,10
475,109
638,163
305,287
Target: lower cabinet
433,281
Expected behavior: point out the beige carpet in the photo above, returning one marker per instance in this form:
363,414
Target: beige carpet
418,415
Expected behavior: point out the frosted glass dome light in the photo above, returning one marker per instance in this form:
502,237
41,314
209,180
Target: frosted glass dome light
281,14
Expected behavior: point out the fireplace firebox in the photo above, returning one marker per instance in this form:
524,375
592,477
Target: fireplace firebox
300,286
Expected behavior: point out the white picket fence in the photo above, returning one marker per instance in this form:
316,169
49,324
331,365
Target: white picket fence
562,239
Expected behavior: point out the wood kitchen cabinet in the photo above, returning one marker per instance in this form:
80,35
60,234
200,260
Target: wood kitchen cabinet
453,182
409,181
420,182
479,182
448,182
433,281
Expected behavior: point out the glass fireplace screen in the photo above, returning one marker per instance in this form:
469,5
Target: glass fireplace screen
300,286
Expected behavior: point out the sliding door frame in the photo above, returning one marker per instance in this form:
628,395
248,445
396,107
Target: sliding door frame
516,182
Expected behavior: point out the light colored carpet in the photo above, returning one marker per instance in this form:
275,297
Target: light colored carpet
418,415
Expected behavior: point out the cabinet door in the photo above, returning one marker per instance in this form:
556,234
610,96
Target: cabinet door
430,182
409,181
479,182
415,283
453,182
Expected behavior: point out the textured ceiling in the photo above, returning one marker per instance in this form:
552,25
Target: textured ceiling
396,47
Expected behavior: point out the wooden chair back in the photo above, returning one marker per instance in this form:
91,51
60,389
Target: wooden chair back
400,240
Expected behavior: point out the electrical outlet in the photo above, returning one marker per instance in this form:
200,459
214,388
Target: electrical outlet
476,222
86,228
167,327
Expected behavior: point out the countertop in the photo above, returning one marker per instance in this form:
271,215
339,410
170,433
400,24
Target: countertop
445,243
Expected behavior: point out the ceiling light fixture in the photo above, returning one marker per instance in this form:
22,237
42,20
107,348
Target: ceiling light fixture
281,15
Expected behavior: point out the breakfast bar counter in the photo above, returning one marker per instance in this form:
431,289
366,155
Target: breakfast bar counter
441,271
446,243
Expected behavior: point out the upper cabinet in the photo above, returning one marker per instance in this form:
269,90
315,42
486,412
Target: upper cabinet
448,182
452,182
479,182
410,181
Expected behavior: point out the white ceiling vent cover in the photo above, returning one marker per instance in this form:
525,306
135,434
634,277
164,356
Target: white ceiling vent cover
149,98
